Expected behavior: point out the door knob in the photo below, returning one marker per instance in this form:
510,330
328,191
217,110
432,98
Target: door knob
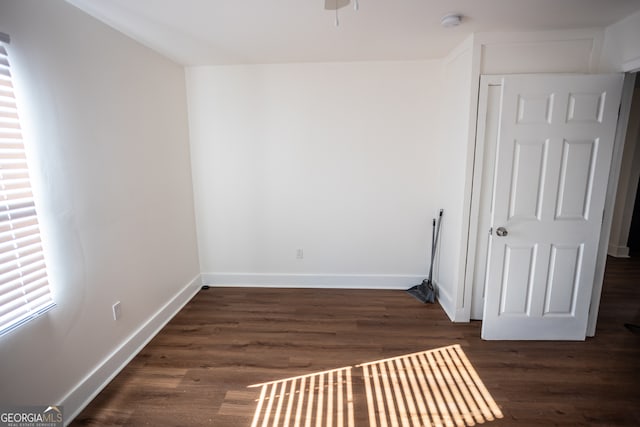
501,231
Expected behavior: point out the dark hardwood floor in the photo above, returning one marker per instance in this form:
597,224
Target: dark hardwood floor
198,369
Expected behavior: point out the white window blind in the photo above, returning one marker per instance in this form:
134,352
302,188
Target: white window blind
24,286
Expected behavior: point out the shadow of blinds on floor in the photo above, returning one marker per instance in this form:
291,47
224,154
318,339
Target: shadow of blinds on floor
437,388
322,399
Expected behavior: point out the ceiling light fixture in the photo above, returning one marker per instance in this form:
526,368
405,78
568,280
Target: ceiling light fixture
451,20
339,4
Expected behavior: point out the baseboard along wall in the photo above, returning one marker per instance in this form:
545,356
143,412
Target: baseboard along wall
618,251
87,389
347,281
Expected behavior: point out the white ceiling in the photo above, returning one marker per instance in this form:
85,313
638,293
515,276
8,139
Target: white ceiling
199,32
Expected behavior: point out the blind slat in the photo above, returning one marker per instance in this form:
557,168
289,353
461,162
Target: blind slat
21,212
18,232
14,257
24,262
21,195
26,295
25,268
13,165
18,223
23,283
25,276
18,245
18,298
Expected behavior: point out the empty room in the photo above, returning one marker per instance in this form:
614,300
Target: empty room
319,213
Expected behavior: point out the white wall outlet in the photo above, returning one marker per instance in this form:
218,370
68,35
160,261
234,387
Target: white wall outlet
117,310
299,254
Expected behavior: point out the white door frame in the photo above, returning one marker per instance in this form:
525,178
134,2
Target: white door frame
478,227
612,187
477,181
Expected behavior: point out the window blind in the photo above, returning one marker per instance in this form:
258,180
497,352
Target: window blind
24,286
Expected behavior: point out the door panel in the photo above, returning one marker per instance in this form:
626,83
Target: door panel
586,107
535,109
516,280
529,165
576,179
553,154
562,287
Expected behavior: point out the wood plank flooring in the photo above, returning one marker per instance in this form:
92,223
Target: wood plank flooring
198,369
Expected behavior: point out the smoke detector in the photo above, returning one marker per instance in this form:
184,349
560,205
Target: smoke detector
451,20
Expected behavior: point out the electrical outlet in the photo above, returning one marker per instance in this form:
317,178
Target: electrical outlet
117,310
299,254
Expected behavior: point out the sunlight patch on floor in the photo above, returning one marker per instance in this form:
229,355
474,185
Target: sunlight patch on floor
431,388
324,397
437,388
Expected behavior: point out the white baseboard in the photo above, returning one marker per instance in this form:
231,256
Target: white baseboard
335,281
618,251
83,393
446,302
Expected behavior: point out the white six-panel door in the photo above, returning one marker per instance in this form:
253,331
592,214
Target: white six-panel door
555,142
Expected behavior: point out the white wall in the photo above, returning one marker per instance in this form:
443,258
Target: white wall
621,48
341,160
457,120
107,118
